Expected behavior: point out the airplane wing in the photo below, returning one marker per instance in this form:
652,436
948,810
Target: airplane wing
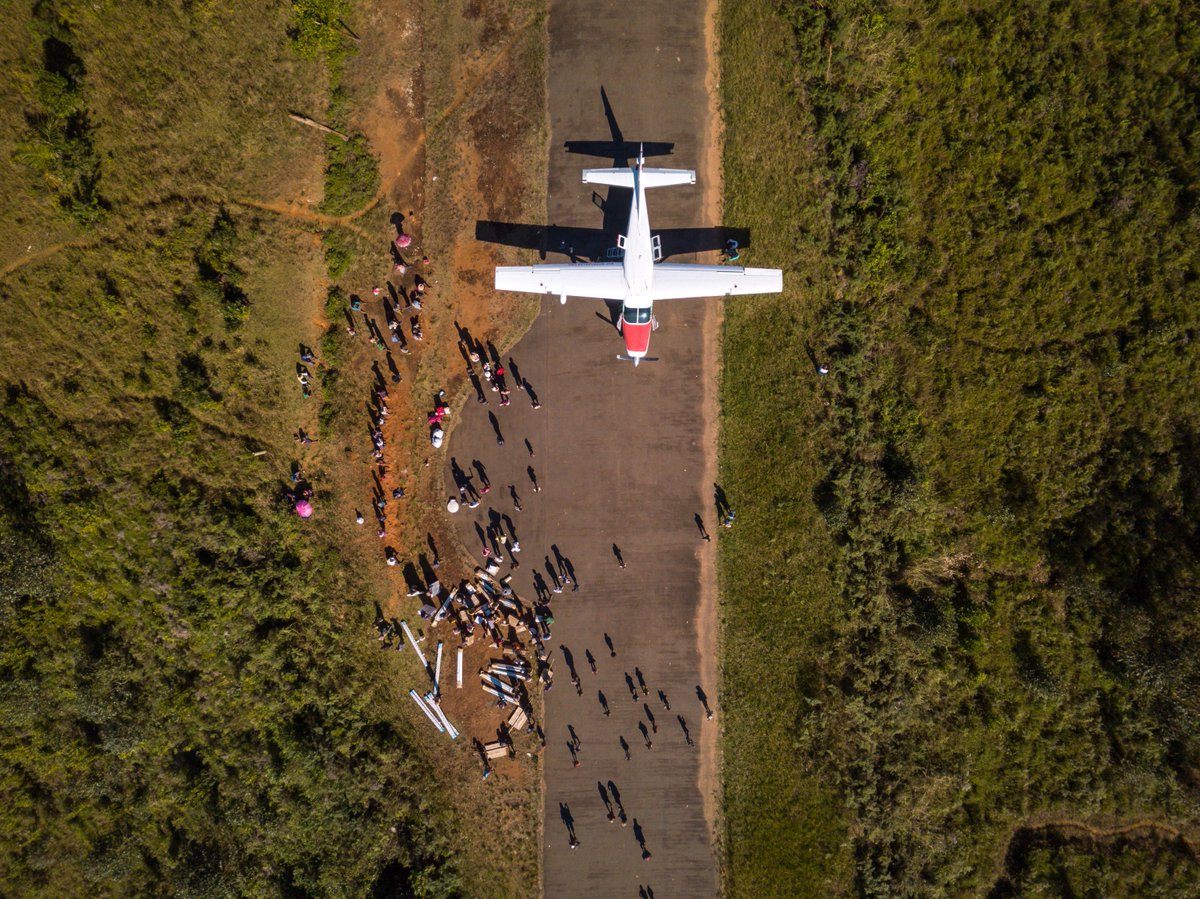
676,282
600,280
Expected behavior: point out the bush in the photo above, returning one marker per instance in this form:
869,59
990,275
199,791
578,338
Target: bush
351,175
59,146
339,254
316,27
218,273
336,303
194,381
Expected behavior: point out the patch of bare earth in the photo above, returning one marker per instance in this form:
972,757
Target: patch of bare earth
393,70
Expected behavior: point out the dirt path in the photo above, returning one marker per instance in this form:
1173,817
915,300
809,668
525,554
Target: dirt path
317,218
429,188
707,618
394,171
1100,834
46,253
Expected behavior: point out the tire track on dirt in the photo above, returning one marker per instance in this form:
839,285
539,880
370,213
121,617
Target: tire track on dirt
489,67
348,220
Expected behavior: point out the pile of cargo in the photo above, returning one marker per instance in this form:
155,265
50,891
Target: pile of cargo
487,606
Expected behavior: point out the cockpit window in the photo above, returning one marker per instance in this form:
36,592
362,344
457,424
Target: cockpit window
636,316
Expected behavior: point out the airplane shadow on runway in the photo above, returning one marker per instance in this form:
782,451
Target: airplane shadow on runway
600,244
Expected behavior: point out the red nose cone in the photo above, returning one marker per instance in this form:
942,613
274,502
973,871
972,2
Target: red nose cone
637,338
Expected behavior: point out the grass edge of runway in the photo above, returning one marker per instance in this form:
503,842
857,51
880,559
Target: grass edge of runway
783,831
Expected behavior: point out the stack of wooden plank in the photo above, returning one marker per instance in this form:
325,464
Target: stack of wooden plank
496,750
518,720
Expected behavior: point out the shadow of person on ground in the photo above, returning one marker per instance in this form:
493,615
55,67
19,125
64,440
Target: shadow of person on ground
564,812
569,658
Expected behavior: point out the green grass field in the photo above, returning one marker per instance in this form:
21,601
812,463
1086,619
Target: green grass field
960,594
190,701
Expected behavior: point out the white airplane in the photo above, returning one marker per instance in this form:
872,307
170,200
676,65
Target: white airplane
640,277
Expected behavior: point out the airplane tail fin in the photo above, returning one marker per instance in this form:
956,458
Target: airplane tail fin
649,177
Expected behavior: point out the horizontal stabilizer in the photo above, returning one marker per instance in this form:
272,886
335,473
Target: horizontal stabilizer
649,177
618,149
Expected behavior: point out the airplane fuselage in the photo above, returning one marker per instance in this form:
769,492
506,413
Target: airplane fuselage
637,315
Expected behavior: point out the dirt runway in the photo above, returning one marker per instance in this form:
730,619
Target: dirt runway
623,456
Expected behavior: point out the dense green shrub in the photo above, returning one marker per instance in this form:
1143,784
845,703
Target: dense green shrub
317,26
218,272
991,242
59,143
184,702
351,175
339,253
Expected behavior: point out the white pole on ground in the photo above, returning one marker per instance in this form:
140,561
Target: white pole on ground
458,679
441,614
428,712
515,671
413,640
437,670
497,683
488,688
437,710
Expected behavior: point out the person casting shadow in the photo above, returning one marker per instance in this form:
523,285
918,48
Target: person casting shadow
640,836
564,812
703,697
616,551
